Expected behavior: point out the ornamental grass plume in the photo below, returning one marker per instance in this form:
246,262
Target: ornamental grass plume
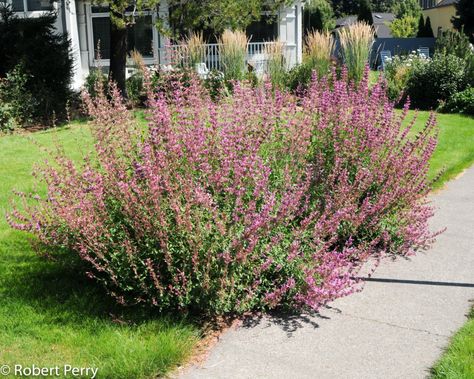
356,43
195,48
257,202
233,52
319,48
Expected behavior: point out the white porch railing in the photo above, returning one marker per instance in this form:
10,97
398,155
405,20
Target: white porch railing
178,54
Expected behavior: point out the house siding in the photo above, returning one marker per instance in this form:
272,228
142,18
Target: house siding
440,18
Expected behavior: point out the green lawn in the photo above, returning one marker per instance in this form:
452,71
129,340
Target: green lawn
458,360
455,150
51,315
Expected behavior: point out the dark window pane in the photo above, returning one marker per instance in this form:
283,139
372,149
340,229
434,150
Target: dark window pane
101,31
140,36
105,9
39,5
264,30
100,9
17,6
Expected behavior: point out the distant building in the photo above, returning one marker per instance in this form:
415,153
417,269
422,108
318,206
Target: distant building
381,23
440,13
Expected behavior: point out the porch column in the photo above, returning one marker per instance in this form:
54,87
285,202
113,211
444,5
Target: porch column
73,34
82,30
163,41
290,27
299,32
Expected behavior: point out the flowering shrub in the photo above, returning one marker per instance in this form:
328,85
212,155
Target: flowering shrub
256,202
437,81
398,71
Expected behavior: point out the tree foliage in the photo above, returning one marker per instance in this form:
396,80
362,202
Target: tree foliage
428,32
403,8
318,15
464,19
364,13
421,26
382,5
424,28
32,47
351,7
345,7
405,27
217,15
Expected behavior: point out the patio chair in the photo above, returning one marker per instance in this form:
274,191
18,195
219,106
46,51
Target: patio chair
130,71
384,55
425,51
258,62
201,70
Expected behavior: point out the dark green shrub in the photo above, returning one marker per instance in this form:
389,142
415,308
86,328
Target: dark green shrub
135,89
470,71
45,58
437,81
252,78
461,102
16,103
95,74
299,78
215,85
454,43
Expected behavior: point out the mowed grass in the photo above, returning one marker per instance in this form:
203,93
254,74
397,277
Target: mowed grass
455,150
52,315
458,360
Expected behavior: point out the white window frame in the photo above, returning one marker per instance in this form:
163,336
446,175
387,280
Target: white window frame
93,62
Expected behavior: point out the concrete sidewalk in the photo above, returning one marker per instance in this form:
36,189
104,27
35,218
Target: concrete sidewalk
396,328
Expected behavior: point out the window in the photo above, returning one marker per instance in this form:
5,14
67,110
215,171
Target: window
140,35
17,6
31,5
426,4
39,5
264,30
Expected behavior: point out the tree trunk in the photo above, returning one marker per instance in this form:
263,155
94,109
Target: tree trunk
118,51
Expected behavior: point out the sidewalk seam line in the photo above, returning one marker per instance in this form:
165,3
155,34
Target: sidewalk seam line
395,325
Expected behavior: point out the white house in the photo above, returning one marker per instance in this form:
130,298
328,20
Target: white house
87,24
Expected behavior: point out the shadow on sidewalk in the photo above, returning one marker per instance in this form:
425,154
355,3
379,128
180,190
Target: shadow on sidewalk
289,322
419,282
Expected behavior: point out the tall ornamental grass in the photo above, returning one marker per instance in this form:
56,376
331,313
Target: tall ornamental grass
319,48
356,42
194,44
262,200
233,52
276,66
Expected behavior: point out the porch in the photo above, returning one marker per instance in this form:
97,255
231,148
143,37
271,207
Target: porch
89,27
